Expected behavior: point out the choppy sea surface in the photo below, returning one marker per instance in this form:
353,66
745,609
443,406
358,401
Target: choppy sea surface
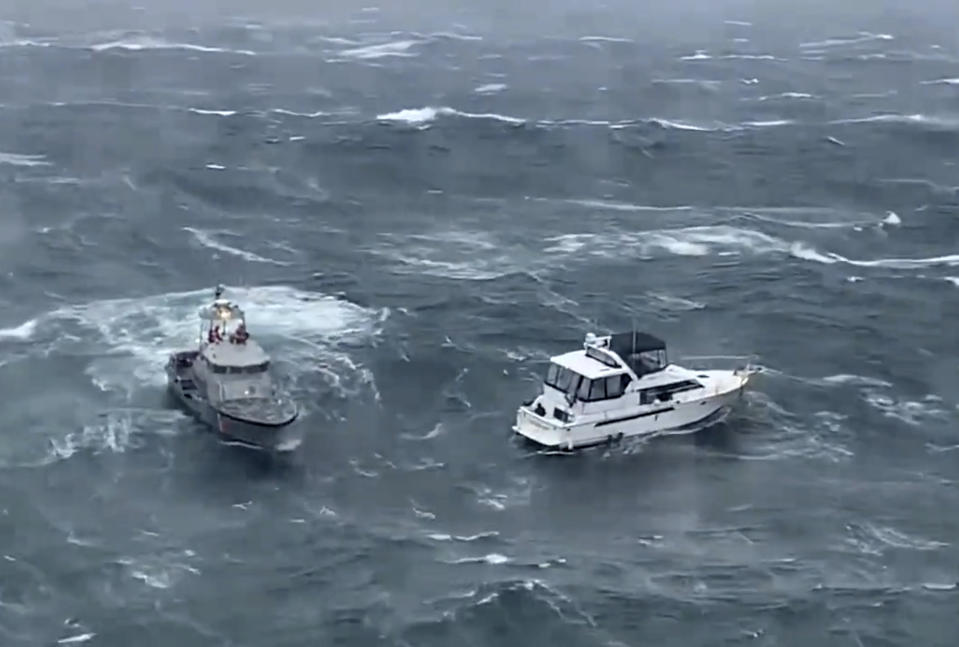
415,216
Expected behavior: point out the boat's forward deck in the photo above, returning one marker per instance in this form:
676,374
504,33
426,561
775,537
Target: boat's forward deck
261,411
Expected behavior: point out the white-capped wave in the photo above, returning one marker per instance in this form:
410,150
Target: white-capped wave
862,37
18,159
116,432
945,123
26,42
452,35
24,331
491,558
942,82
787,95
752,57
700,55
856,380
911,412
294,113
490,88
765,214
685,241
442,536
873,538
680,125
427,114
398,48
800,250
456,254
604,39
622,206
768,124
218,113
146,43
706,83
207,239
437,429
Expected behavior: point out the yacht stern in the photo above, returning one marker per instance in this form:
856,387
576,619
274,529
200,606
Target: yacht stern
540,430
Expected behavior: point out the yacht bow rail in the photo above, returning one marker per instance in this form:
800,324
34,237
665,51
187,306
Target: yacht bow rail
748,364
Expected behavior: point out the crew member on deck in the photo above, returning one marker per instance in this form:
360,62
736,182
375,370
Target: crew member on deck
241,335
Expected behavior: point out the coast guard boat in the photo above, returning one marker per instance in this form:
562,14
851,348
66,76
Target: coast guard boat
227,384
620,386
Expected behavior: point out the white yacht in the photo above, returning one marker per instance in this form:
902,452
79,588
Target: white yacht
622,385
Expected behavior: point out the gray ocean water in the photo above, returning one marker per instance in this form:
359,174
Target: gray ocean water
417,204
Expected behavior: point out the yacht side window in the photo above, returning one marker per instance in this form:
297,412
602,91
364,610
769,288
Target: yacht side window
582,393
615,385
597,390
552,374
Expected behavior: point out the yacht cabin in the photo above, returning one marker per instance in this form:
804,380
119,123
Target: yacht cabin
623,369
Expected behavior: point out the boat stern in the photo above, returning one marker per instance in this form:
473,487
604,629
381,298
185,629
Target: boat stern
540,430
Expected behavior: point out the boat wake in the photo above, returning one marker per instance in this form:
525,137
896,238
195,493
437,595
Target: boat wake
121,345
128,339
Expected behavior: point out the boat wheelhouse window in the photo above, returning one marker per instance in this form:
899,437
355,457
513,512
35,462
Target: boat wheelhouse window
560,377
239,370
582,393
247,370
667,391
604,388
616,385
241,389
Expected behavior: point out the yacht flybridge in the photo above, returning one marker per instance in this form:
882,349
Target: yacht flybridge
619,386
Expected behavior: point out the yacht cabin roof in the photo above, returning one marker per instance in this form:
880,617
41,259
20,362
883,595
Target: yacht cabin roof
622,344
592,369
579,362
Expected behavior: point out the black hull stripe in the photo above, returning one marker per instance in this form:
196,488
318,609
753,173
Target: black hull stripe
633,417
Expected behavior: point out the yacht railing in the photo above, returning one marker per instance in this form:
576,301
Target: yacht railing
747,364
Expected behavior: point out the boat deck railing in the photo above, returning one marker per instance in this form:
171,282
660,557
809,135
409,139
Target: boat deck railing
738,363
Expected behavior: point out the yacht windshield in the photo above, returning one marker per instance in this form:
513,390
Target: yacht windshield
576,386
246,388
560,377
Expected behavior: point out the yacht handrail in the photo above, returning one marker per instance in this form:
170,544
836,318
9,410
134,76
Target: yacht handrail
748,362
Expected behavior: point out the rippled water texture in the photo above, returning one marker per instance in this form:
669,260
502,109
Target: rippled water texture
417,206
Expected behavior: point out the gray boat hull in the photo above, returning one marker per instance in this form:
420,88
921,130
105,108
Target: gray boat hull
274,431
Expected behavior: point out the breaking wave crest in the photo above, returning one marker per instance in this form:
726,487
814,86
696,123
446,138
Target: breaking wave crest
420,116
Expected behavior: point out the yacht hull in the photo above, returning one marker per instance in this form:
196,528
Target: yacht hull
640,421
277,435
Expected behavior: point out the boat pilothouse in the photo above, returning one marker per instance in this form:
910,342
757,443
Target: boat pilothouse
227,381
623,385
